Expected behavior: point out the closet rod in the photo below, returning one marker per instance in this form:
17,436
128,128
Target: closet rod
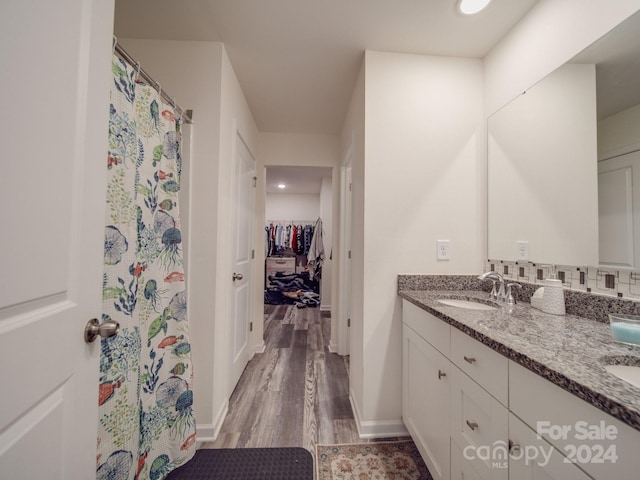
186,114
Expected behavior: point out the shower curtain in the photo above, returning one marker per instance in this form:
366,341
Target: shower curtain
146,423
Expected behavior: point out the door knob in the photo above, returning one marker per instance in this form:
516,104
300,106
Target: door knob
105,329
237,276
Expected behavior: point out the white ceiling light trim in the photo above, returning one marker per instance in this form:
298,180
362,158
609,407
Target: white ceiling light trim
470,7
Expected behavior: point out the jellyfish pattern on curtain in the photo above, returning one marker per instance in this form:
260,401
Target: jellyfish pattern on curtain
146,423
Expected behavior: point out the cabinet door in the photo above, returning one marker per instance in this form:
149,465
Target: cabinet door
461,469
479,427
603,446
532,458
425,401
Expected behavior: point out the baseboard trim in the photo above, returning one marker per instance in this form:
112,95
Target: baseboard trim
259,348
205,433
333,348
376,428
325,308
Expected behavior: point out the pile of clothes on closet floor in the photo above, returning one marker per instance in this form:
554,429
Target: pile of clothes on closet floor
294,289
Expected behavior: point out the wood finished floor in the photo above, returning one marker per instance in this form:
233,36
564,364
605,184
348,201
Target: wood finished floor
296,393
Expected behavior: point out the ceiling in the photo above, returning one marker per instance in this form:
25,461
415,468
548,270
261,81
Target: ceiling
307,180
297,60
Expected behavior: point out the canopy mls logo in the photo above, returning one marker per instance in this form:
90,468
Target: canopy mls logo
498,454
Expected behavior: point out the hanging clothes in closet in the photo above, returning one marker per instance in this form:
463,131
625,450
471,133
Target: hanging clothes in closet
315,254
288,237
287,277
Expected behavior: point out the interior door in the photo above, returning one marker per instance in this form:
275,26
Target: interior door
244,196
55,94
619,210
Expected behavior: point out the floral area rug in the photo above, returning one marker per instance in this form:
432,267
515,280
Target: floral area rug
398,460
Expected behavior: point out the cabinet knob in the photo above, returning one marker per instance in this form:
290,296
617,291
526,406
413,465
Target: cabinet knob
514,448
441,374
472,425
469,359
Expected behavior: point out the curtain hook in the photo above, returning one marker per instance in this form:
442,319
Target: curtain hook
159,89
115,42
138,72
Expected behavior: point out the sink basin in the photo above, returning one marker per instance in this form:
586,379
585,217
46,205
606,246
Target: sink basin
626,368
628,373
469,304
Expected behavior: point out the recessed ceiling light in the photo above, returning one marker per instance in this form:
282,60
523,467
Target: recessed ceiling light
282,185
469,7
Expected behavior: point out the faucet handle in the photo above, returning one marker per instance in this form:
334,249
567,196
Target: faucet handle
494,291
510,298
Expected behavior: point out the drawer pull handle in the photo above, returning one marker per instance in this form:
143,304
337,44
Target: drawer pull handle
514,448
472,425
469,359
441,374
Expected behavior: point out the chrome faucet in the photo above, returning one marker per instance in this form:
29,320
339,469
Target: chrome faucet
499,294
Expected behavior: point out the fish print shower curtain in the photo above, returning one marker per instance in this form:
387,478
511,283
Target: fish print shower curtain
146,422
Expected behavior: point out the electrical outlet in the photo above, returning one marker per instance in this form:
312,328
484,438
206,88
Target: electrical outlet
443,250
523,250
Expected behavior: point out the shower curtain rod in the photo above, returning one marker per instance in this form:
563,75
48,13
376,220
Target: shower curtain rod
186,114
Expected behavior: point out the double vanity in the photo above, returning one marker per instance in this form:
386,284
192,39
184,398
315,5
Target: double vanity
499,391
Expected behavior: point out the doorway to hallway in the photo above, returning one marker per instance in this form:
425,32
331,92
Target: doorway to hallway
298,236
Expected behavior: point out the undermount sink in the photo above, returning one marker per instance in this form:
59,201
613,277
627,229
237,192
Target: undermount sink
469,304
626,368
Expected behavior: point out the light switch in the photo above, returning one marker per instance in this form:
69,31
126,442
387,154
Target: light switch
523,250
443,250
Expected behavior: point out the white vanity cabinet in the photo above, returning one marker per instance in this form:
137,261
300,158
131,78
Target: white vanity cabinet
449,414
533,458
425,387
479,429
591,439
474,414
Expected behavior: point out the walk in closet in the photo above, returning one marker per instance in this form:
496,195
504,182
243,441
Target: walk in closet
297,247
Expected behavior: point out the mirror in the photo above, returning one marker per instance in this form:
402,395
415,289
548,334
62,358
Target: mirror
553,194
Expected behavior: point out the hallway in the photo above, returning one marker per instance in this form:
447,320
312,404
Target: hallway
296,393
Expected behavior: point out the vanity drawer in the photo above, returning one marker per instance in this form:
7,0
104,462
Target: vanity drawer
429,327
564,419
484,365
478,422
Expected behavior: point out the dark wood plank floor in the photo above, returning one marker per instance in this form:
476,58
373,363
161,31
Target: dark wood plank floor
296,393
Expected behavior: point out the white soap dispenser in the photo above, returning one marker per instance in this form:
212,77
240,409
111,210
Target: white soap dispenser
552,295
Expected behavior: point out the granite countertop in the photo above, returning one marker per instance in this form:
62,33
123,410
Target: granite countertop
566,350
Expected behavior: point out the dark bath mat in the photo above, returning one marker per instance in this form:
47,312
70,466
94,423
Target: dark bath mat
247,464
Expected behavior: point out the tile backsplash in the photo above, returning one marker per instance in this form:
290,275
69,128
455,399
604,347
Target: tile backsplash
599,280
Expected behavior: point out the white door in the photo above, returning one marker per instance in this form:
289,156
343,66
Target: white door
244,196
54,85
619,210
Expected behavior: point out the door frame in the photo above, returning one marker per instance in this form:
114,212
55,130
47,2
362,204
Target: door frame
343,339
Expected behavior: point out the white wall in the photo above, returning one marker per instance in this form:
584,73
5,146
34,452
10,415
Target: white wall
619,130
201,78
551,33
292,206
417,182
